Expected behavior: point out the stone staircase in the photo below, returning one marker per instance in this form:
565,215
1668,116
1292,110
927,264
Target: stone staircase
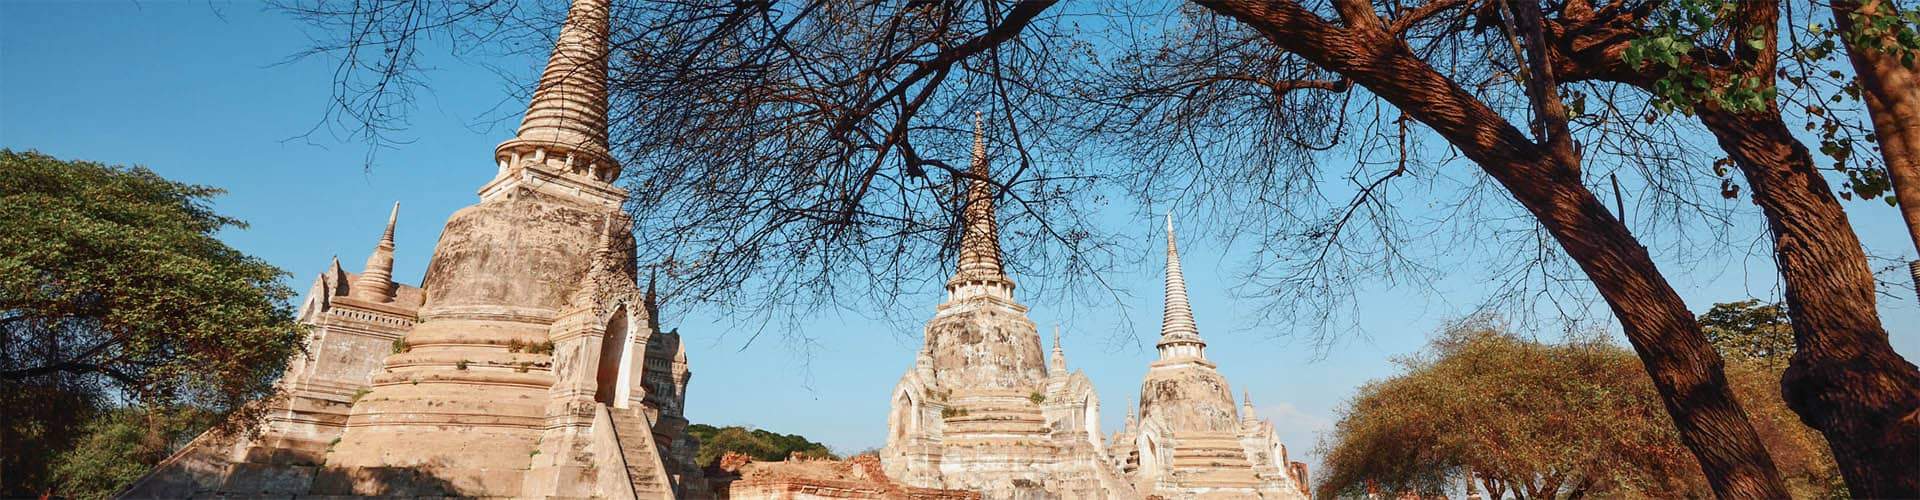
638,453
1213,458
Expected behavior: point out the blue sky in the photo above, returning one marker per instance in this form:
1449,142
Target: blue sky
198,92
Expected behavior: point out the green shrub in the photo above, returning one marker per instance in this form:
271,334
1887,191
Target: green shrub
119,446
715,442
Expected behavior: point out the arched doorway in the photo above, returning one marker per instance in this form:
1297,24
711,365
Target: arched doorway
1149,456
615,371
1090,420
903,415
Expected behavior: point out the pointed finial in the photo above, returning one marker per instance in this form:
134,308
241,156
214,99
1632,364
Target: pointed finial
1056,336
393,217
1172,247
979,143
335,276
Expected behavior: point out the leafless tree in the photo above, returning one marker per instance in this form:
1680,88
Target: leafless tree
783,155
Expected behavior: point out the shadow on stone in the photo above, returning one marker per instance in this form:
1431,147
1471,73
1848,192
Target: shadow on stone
418,481
297,481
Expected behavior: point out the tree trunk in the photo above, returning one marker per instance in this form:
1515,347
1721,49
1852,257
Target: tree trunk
1685,369
1845,379
1892,93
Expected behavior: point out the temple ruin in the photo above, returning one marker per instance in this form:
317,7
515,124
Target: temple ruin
1188,441
528,363
982,409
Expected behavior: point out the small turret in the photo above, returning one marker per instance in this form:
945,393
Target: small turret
653,298
1246,410
603,267
1058,362
376,281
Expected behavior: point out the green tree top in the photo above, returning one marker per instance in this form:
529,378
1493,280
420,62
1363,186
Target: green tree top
759,444
1750,330
115,296
115,272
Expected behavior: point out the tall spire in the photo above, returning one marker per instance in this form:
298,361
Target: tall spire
1178,315
376,281
1246,407
565,127
980,237
1179,336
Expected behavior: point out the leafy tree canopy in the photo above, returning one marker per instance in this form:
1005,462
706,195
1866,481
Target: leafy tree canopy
1749,330
114,290
1542,420
760,444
